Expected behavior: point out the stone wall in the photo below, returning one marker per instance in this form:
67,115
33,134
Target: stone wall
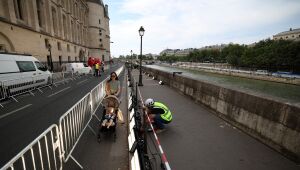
274,123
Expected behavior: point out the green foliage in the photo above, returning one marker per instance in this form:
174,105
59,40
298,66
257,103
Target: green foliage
266,54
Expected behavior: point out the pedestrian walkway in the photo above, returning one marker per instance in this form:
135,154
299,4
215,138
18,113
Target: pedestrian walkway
197,139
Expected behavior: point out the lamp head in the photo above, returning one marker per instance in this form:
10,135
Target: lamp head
141,31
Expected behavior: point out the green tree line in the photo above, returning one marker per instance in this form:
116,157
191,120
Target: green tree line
267,54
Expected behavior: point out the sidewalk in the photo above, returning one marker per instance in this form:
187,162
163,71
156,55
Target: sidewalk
106,155
197,139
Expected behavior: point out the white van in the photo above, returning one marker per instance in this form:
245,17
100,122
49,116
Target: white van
21,72
79,68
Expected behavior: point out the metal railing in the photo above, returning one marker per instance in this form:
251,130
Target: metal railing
72,125
2,92
43,153
13,87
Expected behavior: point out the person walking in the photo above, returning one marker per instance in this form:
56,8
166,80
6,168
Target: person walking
112,86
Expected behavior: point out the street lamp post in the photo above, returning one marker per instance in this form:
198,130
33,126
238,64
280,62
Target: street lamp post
141,32
131,60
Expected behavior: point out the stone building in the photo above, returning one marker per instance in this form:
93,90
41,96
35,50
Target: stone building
292,34
55,31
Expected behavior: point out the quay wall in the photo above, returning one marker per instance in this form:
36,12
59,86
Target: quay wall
274,123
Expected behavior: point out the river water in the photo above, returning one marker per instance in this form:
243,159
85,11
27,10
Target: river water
277,91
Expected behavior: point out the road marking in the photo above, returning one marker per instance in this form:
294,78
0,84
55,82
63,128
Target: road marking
7,114
59,91
81,81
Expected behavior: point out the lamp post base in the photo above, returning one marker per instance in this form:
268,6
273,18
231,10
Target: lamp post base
140,80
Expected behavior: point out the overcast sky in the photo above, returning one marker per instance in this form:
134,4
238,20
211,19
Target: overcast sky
179,24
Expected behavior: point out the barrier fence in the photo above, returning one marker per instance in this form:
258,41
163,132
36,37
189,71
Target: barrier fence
2,93
72,125
68,132
43,153
14,87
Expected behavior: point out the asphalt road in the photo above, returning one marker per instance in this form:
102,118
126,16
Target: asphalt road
22,122
197,139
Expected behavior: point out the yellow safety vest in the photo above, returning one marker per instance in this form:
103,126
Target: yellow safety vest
97,66
167,116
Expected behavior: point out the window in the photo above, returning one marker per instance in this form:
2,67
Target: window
59,59
100,40
75,59
54,21
18,9
68,47
26,66
75,49
69,59
46,43
59,46
65,26
102,57
39,11
40,66
99,21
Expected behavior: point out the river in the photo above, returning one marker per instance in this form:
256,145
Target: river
277,91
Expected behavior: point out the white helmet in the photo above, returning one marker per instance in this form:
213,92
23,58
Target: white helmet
149,102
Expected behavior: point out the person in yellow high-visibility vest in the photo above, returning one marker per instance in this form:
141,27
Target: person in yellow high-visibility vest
158,112
97,69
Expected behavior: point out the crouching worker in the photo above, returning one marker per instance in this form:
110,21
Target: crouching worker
159,113
109,117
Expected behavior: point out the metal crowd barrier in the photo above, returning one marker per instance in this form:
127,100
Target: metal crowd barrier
72,125
43,153
97,94
2,92
14,87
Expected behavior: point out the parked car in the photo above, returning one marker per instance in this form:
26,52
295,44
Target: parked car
79,68
21,72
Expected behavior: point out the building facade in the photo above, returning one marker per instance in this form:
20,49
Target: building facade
54,31
99,34
292,34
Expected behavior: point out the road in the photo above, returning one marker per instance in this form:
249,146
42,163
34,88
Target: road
22,122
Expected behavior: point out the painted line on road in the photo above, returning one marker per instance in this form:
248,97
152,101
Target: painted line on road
82,81
59,91
7,114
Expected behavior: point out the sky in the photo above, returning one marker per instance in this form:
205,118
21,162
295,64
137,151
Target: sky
180,24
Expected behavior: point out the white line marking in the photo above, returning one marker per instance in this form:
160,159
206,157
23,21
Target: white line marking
81,81
59,91
7,114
